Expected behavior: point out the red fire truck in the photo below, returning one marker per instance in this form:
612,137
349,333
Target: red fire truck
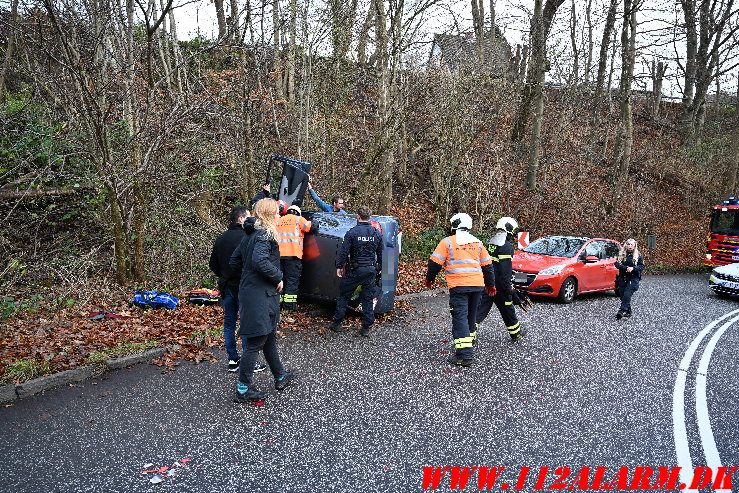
722,246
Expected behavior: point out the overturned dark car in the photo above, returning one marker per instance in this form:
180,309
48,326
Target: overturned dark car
318,280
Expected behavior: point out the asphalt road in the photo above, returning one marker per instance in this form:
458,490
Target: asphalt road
582,390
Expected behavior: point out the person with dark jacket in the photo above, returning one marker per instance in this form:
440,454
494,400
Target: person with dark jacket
361,257
228,281
258,259
630,265
501,253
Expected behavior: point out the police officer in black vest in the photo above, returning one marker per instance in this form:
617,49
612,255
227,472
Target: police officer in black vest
361,254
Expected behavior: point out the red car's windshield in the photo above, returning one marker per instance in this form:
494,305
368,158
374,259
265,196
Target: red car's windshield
556,246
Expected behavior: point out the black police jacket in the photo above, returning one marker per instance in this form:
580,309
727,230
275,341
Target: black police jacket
629,262
362,246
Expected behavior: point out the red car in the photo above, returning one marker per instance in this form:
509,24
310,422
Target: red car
565,266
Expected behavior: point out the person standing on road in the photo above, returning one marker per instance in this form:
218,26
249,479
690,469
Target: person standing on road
291,229
630,265
228,281
469,272
501,253
361,255
258,259
337,203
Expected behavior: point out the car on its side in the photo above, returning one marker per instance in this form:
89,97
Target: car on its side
565,266
724,280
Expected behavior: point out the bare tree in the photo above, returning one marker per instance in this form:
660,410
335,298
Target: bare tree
707,33
625,135
538,65
658,76
10,47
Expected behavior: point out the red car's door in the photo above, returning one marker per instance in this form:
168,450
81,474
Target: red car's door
612,249
591,274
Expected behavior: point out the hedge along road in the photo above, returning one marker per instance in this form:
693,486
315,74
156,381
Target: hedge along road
368,415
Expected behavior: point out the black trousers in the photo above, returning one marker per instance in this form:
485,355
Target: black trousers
364,276
505,307
291,269
463,304
268,345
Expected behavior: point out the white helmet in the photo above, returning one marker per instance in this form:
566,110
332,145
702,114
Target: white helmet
507,224
295,208
461,220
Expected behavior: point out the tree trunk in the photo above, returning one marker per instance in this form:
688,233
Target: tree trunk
705,39
478,24
604,44
658,74
624,139
290,83
575,75
589,60
277,62
221,16
119,238
363,37
541,22
9,48
233,22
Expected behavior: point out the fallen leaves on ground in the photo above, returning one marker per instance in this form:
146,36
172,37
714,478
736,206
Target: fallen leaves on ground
64,339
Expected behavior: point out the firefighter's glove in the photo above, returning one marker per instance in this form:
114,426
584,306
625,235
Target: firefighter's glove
490,290
428,284
522,299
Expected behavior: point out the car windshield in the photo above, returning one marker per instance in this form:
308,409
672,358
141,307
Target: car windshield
725,222
556,246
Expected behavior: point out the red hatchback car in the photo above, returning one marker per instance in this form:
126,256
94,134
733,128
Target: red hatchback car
565,266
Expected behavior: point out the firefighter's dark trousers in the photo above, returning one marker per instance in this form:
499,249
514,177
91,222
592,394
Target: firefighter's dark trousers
506,309
291,269
363,275
463,303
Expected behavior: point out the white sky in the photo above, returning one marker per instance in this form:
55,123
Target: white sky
655,21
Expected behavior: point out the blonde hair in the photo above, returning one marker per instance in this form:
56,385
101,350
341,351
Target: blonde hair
634,254
265,211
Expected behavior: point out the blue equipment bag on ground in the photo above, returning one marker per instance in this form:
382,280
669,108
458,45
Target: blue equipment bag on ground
154,299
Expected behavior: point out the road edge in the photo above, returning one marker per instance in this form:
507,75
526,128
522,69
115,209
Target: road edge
10,393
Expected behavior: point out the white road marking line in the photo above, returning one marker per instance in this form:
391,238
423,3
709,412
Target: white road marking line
713,460
682,448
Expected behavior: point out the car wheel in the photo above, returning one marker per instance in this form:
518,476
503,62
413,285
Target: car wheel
568,291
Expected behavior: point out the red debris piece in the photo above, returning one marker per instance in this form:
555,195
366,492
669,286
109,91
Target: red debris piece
258,403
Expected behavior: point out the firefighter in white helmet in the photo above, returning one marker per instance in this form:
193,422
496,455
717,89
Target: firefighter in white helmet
501,253
469,272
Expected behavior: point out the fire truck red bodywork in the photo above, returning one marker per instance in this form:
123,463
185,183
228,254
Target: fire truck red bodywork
722,245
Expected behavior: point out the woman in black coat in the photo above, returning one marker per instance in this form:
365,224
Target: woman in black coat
258,258
630,265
